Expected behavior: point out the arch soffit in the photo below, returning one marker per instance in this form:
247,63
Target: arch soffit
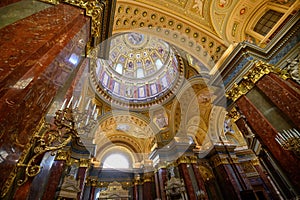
185,103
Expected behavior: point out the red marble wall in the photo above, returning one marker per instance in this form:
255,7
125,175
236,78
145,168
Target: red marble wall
147,191
266,135
7,2
282,95
36,49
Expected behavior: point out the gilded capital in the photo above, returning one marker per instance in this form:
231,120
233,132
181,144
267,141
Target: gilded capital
234,114
62,155
259,69
84,162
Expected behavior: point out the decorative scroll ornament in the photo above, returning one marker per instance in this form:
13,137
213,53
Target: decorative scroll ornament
54,137
293,68
234,114
251,77
69,124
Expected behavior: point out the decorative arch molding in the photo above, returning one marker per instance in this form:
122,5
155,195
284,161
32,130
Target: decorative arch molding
139,17
187,100
216,124
111,119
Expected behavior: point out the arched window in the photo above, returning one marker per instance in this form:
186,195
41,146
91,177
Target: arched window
116,161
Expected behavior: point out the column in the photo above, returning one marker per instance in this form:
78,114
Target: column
184,173
199,179
56,174
81,175
282,95
272,194
136,188
147,189
34,69
266,135
231,177
157,185
162,178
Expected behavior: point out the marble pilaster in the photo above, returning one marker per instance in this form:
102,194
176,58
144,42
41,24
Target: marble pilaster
266,135
283,96
33,68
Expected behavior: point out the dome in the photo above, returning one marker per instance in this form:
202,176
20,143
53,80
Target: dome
140,70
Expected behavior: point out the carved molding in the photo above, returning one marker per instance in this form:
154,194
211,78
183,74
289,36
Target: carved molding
251,77
234,114
10,181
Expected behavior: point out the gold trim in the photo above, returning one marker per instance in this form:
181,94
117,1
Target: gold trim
84,162
183,159
234,114
9,182
101,13
193,159
255,161
63,155
251,77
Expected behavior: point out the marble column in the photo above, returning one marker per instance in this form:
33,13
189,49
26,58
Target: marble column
157,185
282,95
147,186
92,193
184,174
162,178
266,135
81,175
33,70
272,194
55,176
231,177
226,178
7,2
136,190
200,181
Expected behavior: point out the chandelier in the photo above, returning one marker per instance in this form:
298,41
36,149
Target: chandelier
289,140
70,123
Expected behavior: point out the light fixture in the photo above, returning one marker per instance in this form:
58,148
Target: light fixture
289,140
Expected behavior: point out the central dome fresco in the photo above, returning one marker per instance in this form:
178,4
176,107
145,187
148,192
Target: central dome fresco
141,71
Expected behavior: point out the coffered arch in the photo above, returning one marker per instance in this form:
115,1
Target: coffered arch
199,41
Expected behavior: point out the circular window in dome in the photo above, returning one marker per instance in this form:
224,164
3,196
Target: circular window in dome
141,71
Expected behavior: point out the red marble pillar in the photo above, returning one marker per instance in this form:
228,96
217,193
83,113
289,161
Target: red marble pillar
136,191
199,179
81,175
282,95
162,177
147,187
55,176
92,194
184,173
7,2
273,194
228,181
34,67
157,187
147,194
266,135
